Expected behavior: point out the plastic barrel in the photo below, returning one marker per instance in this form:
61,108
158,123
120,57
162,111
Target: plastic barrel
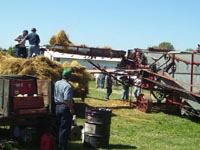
97,127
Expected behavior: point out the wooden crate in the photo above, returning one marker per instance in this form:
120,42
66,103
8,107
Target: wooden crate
28,102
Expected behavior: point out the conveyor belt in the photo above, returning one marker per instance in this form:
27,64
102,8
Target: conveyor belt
184,93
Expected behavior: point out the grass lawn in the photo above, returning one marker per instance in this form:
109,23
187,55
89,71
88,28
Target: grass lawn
131,129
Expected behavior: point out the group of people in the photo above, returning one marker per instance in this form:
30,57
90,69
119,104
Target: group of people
126,82
34,41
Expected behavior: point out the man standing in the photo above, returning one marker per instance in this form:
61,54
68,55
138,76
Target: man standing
63,97
137,88
102,80
108,81
34,41
125,88
20,46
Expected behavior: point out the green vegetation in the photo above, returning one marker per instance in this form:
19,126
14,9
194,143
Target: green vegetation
11,51
165,46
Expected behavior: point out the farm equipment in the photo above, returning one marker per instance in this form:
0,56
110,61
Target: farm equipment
24,99
87,51
170,77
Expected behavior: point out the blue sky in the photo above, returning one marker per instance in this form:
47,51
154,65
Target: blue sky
121,24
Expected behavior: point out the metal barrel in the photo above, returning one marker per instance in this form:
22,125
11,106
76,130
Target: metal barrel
97,127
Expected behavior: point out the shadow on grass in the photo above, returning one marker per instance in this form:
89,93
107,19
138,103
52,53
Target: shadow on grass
120,107
173,110
80,108
81,146
120,146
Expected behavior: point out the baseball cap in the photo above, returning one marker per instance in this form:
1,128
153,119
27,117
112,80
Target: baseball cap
67,72
25,31
33,29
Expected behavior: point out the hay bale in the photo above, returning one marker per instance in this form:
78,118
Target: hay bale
40,67
52,40
61,38
43,68
81,75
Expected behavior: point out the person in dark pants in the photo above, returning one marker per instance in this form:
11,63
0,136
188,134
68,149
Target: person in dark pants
63,97
108,81
102,80
125,88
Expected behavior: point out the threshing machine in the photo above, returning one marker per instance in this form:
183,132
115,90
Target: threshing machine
171,77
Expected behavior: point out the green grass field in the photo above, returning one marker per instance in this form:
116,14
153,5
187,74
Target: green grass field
134,130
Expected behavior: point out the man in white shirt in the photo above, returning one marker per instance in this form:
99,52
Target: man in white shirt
20,46
137,88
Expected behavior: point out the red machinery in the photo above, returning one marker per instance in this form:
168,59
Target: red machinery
171,77
168,77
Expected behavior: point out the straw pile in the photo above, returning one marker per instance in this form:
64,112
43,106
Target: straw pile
61,38
79,79
40,66
43,68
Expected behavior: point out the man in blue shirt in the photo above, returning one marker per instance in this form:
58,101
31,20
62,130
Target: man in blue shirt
20,46
34,41
63,97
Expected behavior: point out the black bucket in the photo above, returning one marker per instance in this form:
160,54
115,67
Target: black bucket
97,127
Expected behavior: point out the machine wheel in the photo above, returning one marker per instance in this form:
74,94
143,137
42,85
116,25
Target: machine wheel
144,104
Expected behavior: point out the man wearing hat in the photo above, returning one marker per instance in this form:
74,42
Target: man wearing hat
34,41
20,46
63,98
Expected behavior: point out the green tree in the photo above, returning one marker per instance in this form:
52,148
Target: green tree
11,51
166,45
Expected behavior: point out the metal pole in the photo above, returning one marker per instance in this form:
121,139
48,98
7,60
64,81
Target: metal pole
192,73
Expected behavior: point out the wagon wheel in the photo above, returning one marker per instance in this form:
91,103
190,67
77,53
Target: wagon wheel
144,104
